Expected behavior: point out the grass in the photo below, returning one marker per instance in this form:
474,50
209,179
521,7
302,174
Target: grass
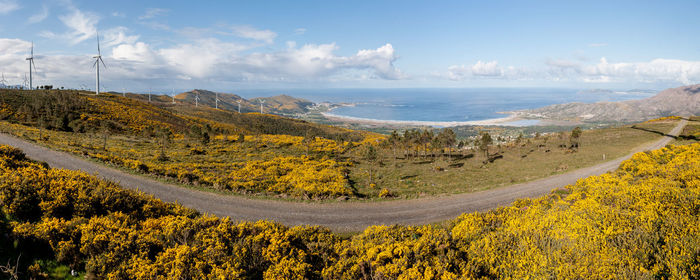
691,132
409,178
404,178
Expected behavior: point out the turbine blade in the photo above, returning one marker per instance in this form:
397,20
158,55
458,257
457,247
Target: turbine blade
98,44
94,64
103,62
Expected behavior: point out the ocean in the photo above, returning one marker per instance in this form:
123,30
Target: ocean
443,104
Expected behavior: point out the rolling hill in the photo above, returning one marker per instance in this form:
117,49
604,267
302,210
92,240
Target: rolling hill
280,104
681,101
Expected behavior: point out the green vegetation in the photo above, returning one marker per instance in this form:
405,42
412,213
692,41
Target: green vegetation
416,172
274,156
640,222
691,132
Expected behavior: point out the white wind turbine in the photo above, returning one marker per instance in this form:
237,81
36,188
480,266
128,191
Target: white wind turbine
25,82
196,99
173,95
262,101
217,100
239,105
98,59
3,82
31,64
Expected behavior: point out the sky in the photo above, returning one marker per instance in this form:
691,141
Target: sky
229,45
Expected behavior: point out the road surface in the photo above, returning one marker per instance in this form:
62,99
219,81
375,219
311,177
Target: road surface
345,216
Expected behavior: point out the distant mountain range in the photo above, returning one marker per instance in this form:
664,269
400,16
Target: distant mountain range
280,104
679,101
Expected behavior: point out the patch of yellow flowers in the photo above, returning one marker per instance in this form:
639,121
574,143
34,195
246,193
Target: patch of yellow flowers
639,222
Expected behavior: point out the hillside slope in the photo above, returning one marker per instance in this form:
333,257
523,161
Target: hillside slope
79,111
281,104
681,101
640,222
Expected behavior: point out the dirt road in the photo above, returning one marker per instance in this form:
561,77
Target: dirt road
350,216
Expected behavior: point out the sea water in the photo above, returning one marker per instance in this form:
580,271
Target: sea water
442,104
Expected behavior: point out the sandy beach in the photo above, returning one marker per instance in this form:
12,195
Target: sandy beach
505,121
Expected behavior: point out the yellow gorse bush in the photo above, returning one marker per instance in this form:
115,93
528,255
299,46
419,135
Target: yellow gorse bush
639,222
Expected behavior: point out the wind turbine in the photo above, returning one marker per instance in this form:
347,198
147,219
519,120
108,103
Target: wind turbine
123,92
173,95
239,105
31,64
262,101
98,59
217,100
196,99
3,82
149,94
25,83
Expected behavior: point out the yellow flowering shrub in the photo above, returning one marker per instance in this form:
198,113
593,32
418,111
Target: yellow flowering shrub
639,222
295,175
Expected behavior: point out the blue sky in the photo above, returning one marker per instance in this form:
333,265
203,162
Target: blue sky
317,44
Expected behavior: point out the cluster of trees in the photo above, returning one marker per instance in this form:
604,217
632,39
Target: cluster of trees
46,110
638,222
416,142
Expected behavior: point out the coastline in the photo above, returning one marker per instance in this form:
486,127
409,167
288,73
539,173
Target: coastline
505,121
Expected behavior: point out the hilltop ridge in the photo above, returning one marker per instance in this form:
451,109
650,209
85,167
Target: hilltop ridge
681,101
280,104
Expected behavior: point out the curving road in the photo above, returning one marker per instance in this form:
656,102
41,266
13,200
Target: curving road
350,216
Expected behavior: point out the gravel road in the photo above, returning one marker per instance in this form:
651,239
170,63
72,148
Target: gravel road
342,216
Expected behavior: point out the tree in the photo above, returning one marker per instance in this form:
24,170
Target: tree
448,138
105,133
426,138
484,141
394,140
205,138
575,136
370,155
308,139
164,135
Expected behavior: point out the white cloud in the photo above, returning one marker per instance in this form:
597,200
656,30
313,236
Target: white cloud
118,14
204,60
138,52
7,6
490,69
200,58
117,36
249,32
41,16
82,26
317,61
664,70
299,31
153,12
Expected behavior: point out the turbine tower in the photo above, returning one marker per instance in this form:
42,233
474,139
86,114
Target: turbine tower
31,64
173,95
196,99
217,100
262,101
98,59
25,82
239,105
3,82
